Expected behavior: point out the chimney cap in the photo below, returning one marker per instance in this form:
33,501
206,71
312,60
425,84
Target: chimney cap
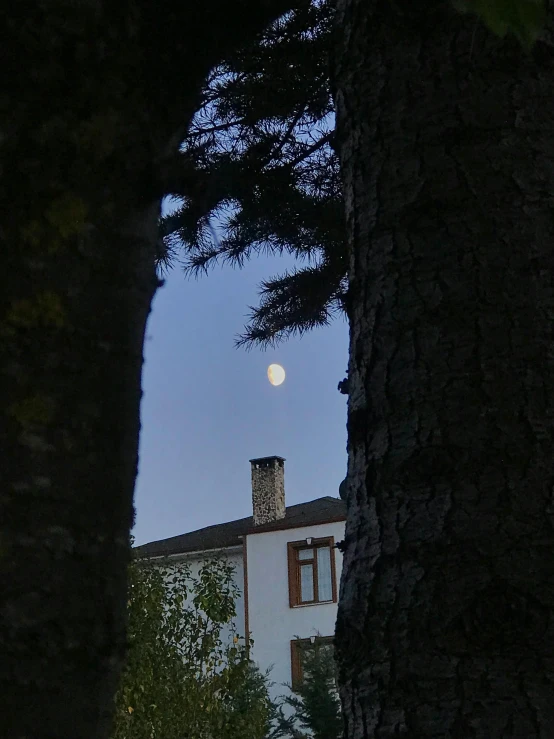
267,459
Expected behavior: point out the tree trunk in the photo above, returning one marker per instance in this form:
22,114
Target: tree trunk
69,439
95,97
446,615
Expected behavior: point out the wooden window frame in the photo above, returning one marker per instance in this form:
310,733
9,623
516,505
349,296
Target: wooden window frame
296,646
293,547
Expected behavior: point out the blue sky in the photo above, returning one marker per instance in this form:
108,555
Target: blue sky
208,407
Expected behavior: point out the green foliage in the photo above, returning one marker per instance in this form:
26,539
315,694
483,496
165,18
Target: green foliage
314,704
187,672
523,18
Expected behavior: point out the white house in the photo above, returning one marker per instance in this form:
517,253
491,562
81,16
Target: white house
287,568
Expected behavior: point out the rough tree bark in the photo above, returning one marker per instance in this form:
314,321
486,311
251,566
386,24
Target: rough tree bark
95,99
446,615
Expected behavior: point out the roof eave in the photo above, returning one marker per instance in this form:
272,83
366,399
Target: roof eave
283,525
232,548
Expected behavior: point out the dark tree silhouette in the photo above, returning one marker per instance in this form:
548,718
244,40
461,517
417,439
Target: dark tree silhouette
447,595
95,100
259,162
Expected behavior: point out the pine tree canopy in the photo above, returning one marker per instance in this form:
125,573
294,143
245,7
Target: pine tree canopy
313,706
258,174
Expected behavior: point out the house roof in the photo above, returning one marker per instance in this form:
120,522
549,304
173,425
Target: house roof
321,510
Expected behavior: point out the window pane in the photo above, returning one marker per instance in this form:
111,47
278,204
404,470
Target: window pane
305,554
306,583
324,581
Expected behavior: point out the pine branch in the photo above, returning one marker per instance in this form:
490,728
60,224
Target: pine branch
287,135
312,149
216,128
294,304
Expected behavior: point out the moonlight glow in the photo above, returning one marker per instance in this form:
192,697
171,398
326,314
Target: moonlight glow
276,374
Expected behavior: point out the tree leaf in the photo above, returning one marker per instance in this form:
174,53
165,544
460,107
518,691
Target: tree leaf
523,18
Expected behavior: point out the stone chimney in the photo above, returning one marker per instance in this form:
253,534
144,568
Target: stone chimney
268,489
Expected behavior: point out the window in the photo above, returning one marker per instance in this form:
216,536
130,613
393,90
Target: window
317,647
312,577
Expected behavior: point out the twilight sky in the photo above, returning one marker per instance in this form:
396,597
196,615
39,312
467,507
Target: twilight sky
208,408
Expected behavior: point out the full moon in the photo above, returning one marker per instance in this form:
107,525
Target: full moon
276,374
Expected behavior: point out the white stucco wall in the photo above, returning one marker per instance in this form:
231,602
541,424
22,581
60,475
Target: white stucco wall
272,622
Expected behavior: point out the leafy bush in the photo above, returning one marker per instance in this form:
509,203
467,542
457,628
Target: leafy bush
187,671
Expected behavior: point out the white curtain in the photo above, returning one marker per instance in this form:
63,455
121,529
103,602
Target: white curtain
306,583
324,581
